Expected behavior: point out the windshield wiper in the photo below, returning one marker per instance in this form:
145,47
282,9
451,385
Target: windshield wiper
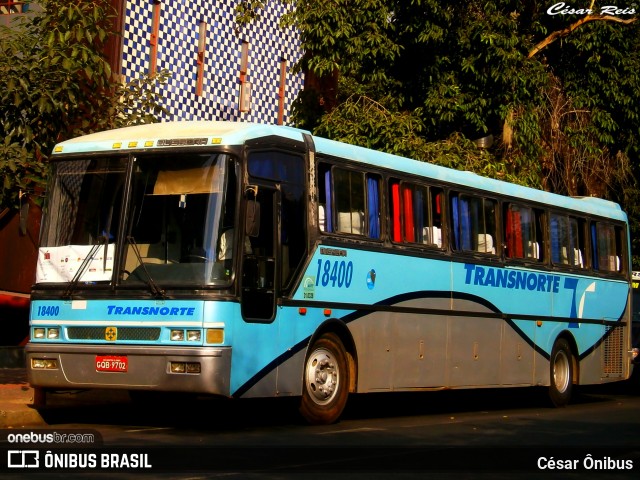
157,291
83,266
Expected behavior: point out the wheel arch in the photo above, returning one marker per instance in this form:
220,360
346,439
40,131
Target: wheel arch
338,328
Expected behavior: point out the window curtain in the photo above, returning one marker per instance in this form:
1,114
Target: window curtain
395,200
407,197
594,242
465,225
328,215
456,222
374,207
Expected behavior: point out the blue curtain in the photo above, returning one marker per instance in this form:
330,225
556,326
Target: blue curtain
594,242
328,214
374,207
456,223
465,225
418,213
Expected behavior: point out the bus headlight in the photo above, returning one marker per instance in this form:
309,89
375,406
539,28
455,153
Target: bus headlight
184,367
194,335
39,332
53,333
193,367
177,335
178,367
44,363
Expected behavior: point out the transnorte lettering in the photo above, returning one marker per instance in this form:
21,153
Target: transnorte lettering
512,279
161,311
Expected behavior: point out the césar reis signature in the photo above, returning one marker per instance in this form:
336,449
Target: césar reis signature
562,8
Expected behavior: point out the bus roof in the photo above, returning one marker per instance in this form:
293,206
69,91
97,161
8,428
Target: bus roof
207,133
167,134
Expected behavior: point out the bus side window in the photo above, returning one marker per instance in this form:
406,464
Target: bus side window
607,247
415,214
473,223
521,232
349,195
349,202
567,240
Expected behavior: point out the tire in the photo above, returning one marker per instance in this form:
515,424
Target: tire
39,398
560,373
325,386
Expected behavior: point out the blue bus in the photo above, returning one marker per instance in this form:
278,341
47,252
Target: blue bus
247,260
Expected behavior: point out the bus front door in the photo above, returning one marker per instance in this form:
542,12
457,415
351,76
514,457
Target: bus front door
259,266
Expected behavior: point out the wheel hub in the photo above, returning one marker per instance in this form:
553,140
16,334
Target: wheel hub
322,376
561,372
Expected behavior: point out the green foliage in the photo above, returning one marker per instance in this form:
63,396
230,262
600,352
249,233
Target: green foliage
352,37
463,69
360,120
136,102
19,175
421,77
55,83
248,10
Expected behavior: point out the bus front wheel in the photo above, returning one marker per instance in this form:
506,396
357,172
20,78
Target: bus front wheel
561,373
326,381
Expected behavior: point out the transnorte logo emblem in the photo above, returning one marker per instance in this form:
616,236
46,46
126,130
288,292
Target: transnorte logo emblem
111,334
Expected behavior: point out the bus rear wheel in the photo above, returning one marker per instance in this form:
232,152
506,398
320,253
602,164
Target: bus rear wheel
326,381
561,373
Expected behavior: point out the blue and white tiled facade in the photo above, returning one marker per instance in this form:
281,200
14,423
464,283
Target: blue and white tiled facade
178,51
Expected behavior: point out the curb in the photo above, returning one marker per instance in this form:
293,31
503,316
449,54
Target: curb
16,407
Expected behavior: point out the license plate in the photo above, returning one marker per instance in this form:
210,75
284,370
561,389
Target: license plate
111,363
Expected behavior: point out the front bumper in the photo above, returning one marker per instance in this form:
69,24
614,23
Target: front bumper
148,368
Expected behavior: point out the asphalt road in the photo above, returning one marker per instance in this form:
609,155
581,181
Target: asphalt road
455,434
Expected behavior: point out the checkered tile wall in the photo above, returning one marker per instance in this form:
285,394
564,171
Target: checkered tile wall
178,50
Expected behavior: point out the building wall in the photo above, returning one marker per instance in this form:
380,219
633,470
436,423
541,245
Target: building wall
177,52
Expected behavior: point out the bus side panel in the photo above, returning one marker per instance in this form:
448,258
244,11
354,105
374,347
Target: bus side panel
372,336
400,351
474,347
289,379
419,343
518,357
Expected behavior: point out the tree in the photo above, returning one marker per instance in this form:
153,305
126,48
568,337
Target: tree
558,92
555,86
55,83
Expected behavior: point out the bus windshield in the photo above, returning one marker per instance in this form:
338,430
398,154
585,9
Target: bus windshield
82,212
178,231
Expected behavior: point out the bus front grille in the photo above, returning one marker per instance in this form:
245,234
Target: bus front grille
122,333
613,353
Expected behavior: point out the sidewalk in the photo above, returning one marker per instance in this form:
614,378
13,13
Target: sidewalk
17,397
16,400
